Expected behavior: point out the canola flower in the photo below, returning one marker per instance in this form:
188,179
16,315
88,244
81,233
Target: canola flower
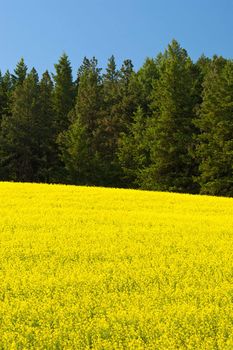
96,268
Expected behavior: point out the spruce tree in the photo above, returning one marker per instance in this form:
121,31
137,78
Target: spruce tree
1,96
109,125
5,94
171,128
78,144
133,151
20,73
145,78
89,95
129,94
75,147
215,143
48,171
121,97
20,139
64,93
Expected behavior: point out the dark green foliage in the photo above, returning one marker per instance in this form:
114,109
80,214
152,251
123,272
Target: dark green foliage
133,150
88,100
121,96
80,138
146,78
48,171
27,137
109,125
167,127
20,73
64,93
215,142
63,102
5,94
19,140
171,128
129,93
74,147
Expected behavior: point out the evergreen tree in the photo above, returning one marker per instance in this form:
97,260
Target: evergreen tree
166,127
89,95
48,171
64,93
20,73
74,148
129,94
109,125
80,139
121,97
64,100
19,139
126,72
199,71
146,77
5,109
1,95
133,151
215,142
171,128
5,93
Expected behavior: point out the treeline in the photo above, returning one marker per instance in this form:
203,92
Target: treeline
168,126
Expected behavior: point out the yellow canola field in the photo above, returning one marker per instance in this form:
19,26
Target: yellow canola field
96,268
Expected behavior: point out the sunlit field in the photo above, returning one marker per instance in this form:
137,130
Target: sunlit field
95,268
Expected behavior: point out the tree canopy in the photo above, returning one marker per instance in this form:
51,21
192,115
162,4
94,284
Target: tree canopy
167,126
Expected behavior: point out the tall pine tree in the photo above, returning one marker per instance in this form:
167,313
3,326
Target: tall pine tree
20,73
19,140
215,142
109,125
171,128
133,151
64,93
5,93
48,171
78,144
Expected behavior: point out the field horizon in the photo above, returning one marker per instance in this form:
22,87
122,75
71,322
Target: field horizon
104,268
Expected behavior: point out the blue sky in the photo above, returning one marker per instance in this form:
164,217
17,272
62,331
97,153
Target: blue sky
41,30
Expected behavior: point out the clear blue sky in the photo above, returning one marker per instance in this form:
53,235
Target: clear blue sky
41,30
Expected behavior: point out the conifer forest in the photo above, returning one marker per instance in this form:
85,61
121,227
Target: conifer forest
167,126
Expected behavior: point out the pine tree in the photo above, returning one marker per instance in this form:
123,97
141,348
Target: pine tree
126,72
129,94
166,127
5,93
64,93
20,73
1,96
48,171
89,95
215,142
145,78
19,139
78,144
74,148
121,96
109,125
133,151
171,128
